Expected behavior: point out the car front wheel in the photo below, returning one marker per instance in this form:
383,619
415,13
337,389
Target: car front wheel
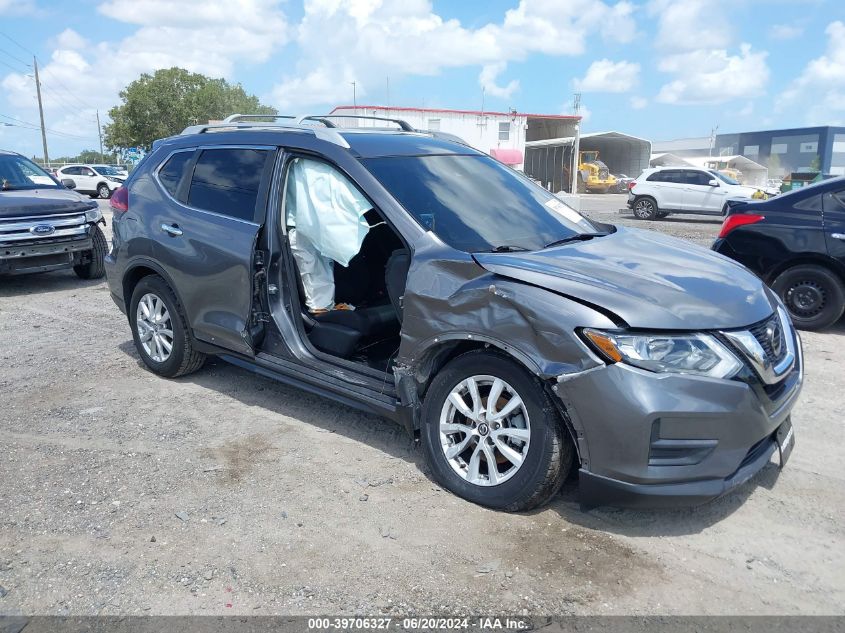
645,209
813,295
491,435
103,191
160,331
94,266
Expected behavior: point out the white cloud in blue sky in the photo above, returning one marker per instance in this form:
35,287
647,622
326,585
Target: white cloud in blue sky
655,68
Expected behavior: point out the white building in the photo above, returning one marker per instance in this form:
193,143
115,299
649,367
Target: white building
501,134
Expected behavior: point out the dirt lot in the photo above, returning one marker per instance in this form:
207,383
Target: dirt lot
225,493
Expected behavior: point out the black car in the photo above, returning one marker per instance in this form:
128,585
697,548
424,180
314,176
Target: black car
796,243
44,225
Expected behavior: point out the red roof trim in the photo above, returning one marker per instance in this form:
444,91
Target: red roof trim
572,117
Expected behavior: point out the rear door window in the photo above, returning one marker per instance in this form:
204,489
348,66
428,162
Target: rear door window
228,181
698,178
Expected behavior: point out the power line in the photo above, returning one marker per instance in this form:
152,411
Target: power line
17,59
72,94
52,131
18,44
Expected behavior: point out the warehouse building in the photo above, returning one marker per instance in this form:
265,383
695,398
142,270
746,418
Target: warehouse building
501,134
780,151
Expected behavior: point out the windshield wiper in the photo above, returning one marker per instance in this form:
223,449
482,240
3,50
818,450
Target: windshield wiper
505,248
578,237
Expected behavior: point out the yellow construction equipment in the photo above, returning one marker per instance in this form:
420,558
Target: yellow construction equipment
593,175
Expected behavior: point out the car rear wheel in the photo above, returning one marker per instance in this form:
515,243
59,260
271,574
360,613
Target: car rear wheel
160,331
645,209
813,295
94,266
103,191
491,435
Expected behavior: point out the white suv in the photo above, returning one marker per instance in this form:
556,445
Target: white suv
664,190
95,180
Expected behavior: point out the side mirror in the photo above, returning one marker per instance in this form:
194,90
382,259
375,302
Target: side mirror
70,183
713,183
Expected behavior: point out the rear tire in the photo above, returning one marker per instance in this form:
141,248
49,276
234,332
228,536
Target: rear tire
645,208
528,472
813,295
95,268
181,358
103,191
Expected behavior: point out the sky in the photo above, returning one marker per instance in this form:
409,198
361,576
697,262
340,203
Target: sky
658,69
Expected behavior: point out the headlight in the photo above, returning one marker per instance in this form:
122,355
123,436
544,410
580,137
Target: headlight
699,354
93,215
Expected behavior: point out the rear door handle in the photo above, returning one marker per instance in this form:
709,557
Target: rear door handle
838,236
171,229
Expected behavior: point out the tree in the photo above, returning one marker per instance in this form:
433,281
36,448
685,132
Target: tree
816,163
164,103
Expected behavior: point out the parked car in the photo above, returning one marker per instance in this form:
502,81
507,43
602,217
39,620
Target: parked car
623,182
44,225
659,191
516,338
795,243
95,180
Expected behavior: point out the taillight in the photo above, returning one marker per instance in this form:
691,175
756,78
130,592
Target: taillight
120,201
631,184
733,221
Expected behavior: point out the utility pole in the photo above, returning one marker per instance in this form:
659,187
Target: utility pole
40,111
354,98
713,131
387,79
100,134
576,146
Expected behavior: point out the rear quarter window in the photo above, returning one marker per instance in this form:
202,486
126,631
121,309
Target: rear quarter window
228,181
170,174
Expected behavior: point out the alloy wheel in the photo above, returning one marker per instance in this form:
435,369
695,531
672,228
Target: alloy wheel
643,209
155,329
484,430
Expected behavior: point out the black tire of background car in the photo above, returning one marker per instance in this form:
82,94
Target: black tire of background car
550,454
103,191
648,210
183,358
821,280
95,268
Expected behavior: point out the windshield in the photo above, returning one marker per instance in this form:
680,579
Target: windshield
475,203
17,172
107,170
723,177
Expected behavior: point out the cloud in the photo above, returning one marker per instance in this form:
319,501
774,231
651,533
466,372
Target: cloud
487,80
820,88
372,39
207,36
17,7
785,31
608,76
690,24
638,103
714,76
694,39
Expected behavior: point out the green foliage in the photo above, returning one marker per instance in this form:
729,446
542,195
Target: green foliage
816,163
164,103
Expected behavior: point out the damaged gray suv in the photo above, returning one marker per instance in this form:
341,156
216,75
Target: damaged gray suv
517,339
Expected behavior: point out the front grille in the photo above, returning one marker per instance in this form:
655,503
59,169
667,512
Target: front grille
770,335
17,231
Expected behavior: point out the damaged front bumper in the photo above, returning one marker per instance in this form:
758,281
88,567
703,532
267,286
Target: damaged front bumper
667,440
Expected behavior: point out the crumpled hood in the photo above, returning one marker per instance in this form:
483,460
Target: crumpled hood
46,201
648,279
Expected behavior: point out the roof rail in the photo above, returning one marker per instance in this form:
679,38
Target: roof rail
232,118
325,133
402,123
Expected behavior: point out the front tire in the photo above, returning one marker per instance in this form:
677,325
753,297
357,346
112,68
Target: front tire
95,267
492,436
645,209
813,295
160,331
103,191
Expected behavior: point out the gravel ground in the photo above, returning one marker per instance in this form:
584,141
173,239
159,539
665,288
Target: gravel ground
226,493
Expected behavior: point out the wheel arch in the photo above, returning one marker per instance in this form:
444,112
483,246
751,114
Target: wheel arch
802,259
136,272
